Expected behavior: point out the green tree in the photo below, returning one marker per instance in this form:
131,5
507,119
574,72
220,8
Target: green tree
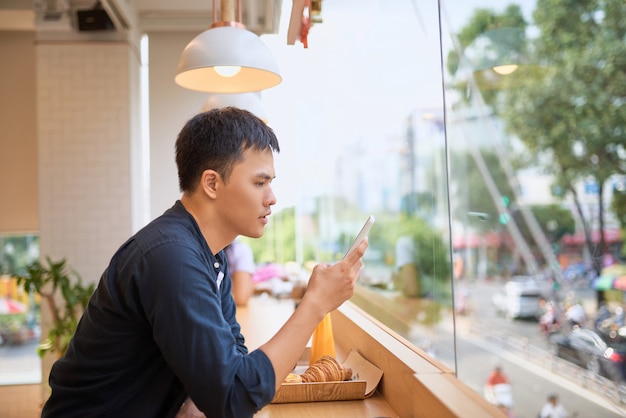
17,252
618,206
574,112
431,250
278,243
470,189
554,220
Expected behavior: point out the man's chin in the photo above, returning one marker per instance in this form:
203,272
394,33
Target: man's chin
255,235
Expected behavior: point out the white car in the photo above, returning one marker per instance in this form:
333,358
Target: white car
521,297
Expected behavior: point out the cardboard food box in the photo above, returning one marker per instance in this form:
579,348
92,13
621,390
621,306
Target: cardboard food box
365,379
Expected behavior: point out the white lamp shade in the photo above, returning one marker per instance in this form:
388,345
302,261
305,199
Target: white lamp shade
227,46
247,101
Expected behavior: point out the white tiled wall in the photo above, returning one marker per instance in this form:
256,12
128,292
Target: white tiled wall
86,129
84,138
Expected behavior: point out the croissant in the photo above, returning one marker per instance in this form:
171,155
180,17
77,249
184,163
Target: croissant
293,378
326,369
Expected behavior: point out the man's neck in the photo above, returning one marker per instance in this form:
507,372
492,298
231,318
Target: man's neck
209,226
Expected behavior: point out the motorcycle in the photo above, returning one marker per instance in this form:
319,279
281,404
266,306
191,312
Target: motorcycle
549,322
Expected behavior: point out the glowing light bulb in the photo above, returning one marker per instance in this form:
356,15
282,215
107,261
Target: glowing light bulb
505,69
227,70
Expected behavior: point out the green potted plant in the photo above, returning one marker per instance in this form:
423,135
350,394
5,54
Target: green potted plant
48,281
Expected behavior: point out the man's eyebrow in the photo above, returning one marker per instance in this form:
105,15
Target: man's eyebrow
265,176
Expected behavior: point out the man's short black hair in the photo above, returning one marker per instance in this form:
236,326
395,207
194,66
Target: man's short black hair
216,140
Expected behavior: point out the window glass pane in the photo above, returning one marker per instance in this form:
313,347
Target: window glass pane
536,139
360,119
19,312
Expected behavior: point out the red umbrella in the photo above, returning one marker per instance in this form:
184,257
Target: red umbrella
620,283
10,306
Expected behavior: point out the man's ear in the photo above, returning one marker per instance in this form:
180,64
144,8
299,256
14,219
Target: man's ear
209,182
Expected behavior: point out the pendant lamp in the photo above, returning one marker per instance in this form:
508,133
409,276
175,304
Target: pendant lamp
227,58
496,54
497,49
247,101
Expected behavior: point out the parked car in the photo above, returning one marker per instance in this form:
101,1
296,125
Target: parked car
521,297
590,350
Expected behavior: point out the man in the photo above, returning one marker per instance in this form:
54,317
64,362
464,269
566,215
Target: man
496,377
161,327
553,409
575,314
497,389
241,266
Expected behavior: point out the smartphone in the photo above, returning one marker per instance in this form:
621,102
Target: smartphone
362,233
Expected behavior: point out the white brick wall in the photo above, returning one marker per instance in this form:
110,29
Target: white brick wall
84,138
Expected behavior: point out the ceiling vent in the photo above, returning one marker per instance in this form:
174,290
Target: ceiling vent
95,19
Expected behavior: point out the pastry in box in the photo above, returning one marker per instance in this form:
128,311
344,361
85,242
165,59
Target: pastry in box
306,383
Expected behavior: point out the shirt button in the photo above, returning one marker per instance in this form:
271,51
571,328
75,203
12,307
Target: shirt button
216,265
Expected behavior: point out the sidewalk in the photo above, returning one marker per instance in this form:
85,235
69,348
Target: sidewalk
20,364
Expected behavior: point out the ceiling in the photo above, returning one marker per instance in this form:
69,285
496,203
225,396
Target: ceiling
259,16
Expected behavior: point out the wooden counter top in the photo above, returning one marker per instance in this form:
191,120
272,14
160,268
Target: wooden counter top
260,320
413,384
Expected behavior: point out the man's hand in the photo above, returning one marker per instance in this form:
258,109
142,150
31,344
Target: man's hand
331,285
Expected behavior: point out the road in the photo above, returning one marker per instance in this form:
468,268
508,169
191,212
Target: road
531,382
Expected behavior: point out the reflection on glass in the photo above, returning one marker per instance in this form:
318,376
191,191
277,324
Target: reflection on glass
359,139
518,177
534,174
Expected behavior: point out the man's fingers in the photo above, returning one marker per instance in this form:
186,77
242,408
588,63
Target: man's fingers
354,258
358,252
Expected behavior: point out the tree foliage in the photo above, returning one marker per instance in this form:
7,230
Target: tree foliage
618,205
473,195
431,256
555,222
574,110
278,244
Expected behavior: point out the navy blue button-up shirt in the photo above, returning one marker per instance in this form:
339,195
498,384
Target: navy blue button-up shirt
161,326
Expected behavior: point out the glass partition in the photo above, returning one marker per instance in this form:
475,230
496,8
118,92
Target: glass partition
535,132
360,117
488,141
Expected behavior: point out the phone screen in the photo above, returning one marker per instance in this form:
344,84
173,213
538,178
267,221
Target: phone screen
362,233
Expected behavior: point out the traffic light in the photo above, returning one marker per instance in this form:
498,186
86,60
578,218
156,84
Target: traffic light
505,217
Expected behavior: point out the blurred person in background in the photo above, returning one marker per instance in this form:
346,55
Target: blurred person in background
575,313
553,408
242,267
497,390
497,377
